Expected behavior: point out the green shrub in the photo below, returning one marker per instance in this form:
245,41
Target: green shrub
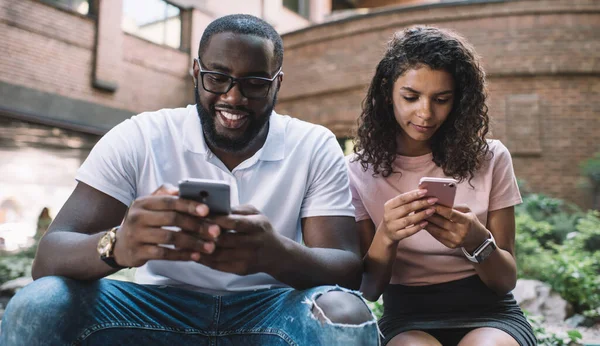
16,265
571,267
534,261
561,217
376,307
590,168
546,338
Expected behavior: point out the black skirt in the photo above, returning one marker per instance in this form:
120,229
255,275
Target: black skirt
448,311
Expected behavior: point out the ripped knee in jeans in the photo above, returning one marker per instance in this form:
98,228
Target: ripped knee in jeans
340,307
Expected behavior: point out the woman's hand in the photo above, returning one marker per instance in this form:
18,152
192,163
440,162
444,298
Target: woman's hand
405,214
457,227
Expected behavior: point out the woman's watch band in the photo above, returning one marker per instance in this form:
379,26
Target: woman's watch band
483,251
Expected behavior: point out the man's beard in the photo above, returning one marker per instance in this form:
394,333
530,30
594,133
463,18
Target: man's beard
232,145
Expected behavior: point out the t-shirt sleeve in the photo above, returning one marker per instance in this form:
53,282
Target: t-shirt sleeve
505,191
112,165
328,192
359,208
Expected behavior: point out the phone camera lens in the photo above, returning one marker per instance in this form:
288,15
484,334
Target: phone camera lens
203,194
451,185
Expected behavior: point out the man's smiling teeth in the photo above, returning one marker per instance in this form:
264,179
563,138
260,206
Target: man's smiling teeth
231,116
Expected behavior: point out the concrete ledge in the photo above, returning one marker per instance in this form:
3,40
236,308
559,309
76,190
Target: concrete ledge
50,109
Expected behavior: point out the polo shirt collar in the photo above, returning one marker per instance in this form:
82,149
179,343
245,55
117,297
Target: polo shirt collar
272,150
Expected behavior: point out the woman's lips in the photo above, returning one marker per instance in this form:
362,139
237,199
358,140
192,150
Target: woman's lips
422,128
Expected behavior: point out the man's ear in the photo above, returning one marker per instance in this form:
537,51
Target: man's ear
280,78
195,71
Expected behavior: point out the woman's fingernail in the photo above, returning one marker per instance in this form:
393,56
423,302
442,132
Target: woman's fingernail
430,211
423,224
432,200
195,256
422,192
209,247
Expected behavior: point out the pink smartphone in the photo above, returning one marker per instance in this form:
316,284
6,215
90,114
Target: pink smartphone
444,189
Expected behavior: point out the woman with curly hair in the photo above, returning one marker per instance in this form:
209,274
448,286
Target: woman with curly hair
445,272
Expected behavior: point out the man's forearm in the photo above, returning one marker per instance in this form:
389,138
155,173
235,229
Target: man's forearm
304,267
70,254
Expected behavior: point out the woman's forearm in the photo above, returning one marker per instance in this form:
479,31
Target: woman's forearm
498,271
378,264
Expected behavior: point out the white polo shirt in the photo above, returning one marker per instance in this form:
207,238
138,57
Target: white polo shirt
299,172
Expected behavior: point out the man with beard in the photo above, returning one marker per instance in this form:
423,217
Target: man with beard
258,285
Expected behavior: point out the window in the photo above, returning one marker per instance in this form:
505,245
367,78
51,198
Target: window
298,6
154,20
79,6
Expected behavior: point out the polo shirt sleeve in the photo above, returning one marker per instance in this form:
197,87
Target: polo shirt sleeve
328,190
112,165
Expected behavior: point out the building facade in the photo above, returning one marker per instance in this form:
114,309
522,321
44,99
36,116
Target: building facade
72,69
542,59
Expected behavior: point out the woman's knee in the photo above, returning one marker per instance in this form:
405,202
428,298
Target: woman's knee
413,338
488,337
342,307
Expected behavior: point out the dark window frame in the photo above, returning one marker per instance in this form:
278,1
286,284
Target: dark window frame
164,44
71,9
303,8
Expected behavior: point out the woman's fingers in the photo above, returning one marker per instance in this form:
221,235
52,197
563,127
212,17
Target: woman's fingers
407,232
404,198
410,220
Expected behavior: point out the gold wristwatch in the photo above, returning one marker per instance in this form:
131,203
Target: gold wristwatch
106,247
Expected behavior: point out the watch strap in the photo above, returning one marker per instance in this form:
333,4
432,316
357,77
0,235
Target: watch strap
482,251
111,262
109,258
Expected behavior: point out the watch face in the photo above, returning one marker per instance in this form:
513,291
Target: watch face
486,251
104,245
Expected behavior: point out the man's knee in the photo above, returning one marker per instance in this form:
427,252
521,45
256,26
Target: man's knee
341,307
38,305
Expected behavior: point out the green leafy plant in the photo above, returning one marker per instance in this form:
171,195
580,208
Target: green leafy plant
376,307
590,168
572,266
545,338
16,265
561,217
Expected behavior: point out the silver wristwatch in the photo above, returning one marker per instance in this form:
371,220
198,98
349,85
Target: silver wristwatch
483,251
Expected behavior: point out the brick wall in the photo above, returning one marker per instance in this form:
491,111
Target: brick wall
52,50
543,64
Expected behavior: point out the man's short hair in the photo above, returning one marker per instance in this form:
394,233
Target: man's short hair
243,24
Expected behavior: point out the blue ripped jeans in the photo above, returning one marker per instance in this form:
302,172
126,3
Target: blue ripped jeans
60,311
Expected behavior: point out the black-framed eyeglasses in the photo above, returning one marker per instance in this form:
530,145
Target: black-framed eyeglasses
250,87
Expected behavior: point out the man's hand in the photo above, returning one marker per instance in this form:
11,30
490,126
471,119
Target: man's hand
247,243
141,233
457,227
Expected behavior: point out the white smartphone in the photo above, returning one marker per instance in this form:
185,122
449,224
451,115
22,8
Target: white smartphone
213,193
444,189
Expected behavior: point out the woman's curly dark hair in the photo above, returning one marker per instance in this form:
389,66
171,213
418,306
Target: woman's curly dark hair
459,145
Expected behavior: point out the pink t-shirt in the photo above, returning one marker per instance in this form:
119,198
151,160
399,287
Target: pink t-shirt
421,259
